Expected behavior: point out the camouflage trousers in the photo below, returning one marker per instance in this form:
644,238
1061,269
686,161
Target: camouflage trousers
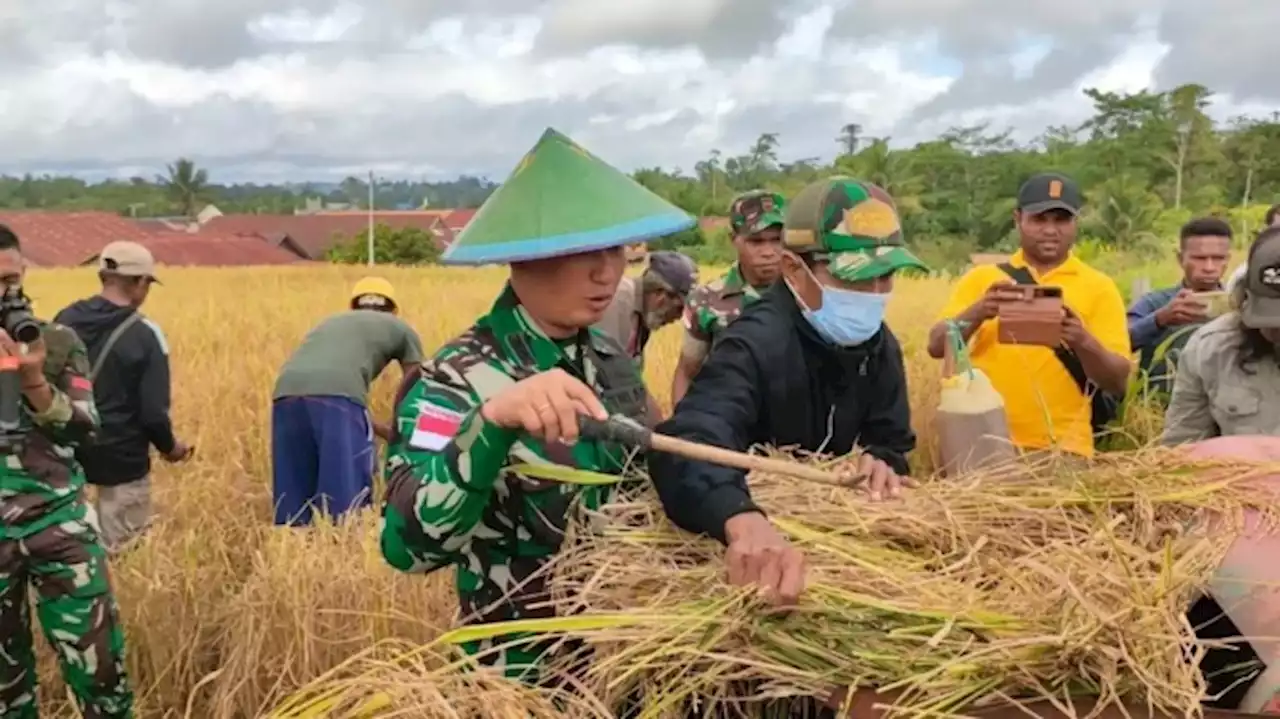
66,566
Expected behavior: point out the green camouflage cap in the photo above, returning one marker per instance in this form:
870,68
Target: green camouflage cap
853,224
754,211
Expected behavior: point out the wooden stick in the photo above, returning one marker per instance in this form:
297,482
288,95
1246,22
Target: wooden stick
632,434
747,462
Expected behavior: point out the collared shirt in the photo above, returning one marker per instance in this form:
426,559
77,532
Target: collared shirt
1213,395
455,493
712,307
1044,406
1153,342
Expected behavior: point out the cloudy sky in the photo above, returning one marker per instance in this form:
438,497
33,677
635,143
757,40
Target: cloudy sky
316,89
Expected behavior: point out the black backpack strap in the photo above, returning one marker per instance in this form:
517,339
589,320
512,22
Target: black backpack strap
1020,275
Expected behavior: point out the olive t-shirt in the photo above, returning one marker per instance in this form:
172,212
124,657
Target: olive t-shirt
344,354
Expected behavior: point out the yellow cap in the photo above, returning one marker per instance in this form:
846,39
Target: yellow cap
374,286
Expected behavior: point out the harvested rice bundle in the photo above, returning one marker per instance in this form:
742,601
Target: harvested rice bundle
1050,583
420,682
1014,583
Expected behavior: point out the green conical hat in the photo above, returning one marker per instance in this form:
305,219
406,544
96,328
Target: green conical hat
562,200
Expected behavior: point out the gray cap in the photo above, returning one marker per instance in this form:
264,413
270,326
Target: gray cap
1261,308
676,269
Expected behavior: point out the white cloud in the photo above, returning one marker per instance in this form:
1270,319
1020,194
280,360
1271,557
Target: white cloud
297,89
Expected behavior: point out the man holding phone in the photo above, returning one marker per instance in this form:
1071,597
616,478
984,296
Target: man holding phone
1049,392
1162,321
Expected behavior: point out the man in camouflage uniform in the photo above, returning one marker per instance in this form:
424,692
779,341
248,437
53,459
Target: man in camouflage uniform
48,533
508,392
756,220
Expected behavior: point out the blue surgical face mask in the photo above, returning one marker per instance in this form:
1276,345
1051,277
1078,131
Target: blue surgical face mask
847,317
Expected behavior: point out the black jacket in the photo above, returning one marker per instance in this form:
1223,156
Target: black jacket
773,380
131,392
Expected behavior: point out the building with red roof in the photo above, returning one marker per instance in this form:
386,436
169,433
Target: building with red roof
64,239
206,249
313,235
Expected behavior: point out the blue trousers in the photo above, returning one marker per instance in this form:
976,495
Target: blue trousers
322,457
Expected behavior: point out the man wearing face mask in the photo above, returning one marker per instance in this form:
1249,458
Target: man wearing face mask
1228,379
811,365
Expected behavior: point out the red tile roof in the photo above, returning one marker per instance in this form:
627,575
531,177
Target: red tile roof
51,239
459,219
315,234
209,249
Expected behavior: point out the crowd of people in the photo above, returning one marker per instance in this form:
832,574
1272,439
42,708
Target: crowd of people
788,348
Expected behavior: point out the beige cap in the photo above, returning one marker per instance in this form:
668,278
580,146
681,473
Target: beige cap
128,259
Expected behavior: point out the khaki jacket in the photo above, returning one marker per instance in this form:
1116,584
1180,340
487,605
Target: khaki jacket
1214,396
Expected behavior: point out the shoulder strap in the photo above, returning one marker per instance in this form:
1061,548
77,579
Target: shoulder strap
1067,357
111,343
1021,275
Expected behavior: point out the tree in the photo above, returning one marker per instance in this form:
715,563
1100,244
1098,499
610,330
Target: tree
186,186
405,246
849,137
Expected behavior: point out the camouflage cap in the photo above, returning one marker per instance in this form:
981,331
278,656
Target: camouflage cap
755,211
854,224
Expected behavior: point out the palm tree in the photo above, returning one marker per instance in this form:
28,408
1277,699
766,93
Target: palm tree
186,186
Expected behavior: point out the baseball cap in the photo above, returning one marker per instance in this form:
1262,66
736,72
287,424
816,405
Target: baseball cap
755,211
676,269
854,224
1261,307
1050,191
127,259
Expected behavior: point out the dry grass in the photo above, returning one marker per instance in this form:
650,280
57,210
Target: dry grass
226,615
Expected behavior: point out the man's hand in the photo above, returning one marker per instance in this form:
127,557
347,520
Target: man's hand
30,363
1073,331
758,554
881,481
180,453
988,306
1183,309
545,405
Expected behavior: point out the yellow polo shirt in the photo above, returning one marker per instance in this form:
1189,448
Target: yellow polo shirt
1043,405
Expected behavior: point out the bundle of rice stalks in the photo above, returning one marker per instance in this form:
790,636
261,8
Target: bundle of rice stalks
428,682
1025,583
1041,582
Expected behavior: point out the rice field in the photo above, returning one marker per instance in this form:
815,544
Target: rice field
225,615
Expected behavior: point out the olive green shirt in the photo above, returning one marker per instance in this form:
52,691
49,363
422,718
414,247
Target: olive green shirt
344,354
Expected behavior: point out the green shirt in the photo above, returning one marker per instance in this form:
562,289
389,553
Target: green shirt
40,484
344,354
452,497
713,306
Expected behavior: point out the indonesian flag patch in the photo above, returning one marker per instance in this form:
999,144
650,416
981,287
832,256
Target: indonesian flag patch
434,428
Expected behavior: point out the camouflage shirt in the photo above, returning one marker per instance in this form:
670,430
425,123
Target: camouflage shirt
41,482
713,306
452,495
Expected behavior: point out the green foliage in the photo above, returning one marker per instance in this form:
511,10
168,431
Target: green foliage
1147,161
407,246
184,189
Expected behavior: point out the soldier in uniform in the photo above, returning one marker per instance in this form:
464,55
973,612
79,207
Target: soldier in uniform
48,534
756,220
509,389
